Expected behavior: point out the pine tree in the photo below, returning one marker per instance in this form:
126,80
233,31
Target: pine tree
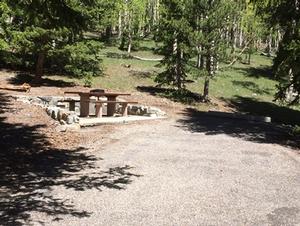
286,14
174,32
132,19
39,26
4,25
210,25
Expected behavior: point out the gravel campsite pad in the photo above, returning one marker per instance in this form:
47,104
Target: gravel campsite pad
188,169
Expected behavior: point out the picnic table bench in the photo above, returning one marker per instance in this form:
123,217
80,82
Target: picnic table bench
71,102
124,112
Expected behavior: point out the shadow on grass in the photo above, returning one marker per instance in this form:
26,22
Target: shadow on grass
31,166
142,74
201,122
183,96
146,48
118,55
21,78
279,114
253,87
257,72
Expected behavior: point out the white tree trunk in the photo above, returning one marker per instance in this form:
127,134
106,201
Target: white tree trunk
120,25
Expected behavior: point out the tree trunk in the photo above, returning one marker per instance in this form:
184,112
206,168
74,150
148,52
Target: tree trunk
269,47
290,90
39,70
206,89
278,39
157,15
198,60
200,63
108,32
120,25
129,43
241,38
210,72
233,37
249,58
177,52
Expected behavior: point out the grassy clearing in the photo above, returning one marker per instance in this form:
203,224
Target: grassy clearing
253,81
246,88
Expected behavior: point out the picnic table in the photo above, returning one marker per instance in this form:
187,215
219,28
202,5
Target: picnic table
85,100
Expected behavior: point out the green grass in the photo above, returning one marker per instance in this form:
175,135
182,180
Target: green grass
253,80
242,86
118,76
240,80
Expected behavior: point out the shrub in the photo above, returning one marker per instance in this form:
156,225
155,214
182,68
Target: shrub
135,45
82,59
296,131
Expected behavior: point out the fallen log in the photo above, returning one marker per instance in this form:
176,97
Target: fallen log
147,59
23,88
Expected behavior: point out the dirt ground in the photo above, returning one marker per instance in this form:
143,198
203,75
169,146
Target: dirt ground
187,170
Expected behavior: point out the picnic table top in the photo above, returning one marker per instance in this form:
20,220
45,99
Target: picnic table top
91,93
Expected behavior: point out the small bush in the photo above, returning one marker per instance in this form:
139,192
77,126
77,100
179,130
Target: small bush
82,59
135,45
88,81
296,131
18,61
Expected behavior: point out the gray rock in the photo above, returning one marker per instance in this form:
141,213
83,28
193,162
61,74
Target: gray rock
76,119
49,110
61,115
54,113
45,98
62,122
70,119
54,101
36,101
156,111
61,128
73,127
145,111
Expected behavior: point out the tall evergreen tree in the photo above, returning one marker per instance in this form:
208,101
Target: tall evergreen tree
39,26
4,24
210,25
286,14
174,32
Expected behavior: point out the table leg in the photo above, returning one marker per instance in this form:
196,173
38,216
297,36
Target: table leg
99,110
125,110
72,106
111,107
84,105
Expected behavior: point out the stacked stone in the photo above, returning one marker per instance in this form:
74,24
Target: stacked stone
145,111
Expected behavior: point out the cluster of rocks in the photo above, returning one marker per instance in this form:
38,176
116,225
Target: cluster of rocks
42,101
68,120
62,115
145,111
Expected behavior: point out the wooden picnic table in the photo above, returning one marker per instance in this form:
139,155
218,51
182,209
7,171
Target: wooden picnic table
85,101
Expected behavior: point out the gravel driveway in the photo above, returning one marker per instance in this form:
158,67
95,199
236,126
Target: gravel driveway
172,173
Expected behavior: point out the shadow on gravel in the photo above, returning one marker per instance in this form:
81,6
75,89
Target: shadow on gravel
279,114
201,122
31,166
22,78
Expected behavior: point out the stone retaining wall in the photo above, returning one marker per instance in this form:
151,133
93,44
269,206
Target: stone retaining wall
145,111
68,118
